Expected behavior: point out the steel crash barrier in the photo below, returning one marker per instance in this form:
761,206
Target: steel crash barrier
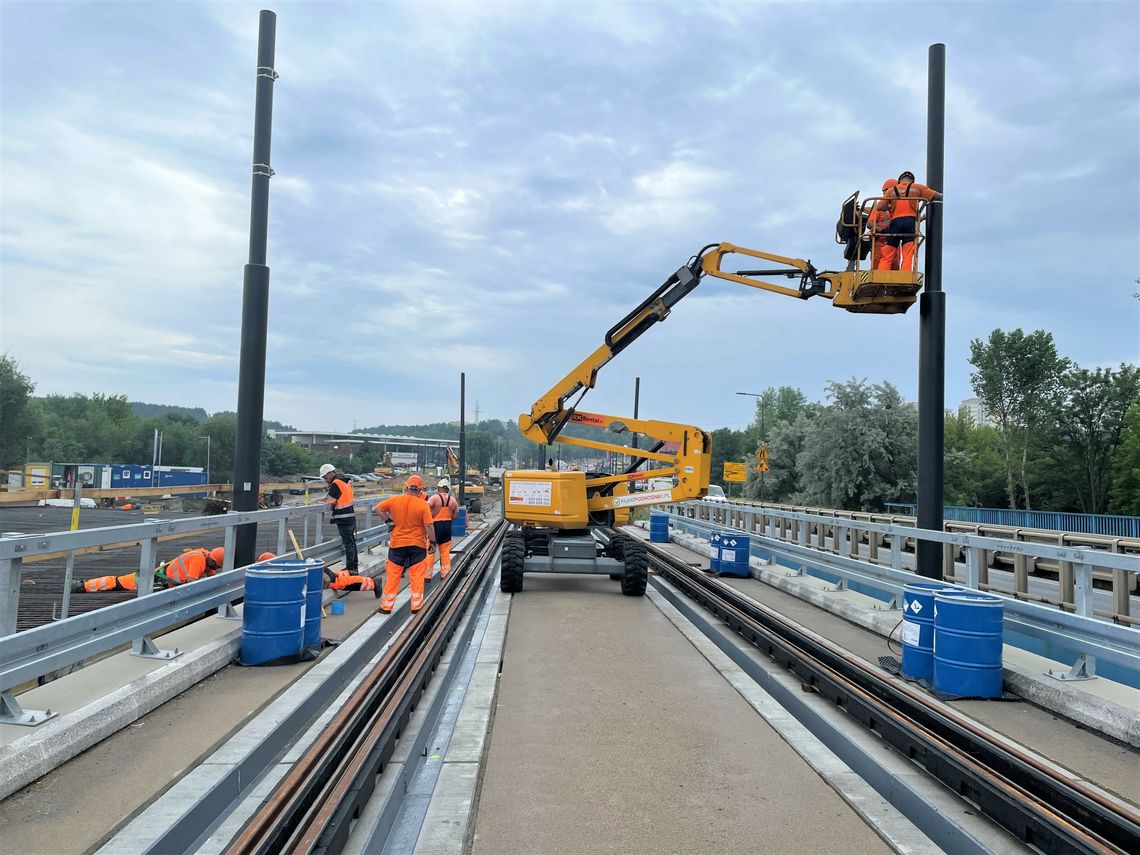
33,653
838,550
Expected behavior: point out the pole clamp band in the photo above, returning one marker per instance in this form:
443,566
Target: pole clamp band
263,169
266,71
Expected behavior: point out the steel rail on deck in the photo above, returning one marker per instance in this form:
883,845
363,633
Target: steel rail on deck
312,808
1031,800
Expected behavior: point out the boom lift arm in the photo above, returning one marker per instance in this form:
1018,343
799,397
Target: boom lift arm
868,291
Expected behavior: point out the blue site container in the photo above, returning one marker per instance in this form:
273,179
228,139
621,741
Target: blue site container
967,643
918,629
714,551
658,528
273,620
735,550
459,524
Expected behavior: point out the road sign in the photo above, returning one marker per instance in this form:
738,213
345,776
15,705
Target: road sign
762,458
735,472
762,466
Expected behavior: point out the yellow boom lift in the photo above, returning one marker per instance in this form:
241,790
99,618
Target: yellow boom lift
563,520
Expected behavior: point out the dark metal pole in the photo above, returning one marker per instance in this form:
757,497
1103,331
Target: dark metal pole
932,330
255,303
462,433
636,399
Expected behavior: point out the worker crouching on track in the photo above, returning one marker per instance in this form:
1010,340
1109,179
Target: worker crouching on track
443,509
343,514
412,536
190,566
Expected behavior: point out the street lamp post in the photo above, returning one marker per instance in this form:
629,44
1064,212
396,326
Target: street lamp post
763,408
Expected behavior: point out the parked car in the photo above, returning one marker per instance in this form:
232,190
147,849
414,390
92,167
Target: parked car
715,494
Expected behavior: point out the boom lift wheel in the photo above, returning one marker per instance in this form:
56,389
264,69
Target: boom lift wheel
636,573
511,567
616,550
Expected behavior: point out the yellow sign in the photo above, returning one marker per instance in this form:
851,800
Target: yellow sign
762,466
735,472
762,458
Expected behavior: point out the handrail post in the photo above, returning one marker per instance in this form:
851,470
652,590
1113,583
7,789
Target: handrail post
148,560
1085,666
282,541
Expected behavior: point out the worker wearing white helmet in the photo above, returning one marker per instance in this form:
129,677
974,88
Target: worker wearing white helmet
444,509
340,499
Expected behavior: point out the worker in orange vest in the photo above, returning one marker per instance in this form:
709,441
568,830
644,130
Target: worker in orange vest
340,499
443,509
412,537
901,202
341,580
190,566
878,223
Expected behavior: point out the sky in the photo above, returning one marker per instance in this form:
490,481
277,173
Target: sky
488,187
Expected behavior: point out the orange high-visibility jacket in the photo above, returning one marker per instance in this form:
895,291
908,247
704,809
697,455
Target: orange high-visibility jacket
341,497
900,199
443,508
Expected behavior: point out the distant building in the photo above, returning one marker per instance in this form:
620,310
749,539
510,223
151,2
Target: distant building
976,410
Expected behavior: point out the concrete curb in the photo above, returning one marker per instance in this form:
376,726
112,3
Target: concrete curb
57,741
1105,716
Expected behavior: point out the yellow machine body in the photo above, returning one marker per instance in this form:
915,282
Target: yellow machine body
556,500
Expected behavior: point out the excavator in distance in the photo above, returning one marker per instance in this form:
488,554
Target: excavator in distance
564,522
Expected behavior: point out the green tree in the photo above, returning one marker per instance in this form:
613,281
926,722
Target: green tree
1018,377
778,404
1090,422
17,420
1125,495
973,467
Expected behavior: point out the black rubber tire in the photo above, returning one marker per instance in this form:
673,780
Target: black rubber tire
475,506
636,573
616,550
513,559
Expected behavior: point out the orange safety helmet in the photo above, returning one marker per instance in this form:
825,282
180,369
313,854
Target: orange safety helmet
414,481
218,554
889,183
266,556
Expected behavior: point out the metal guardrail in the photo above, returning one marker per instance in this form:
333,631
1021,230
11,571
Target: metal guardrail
1108,525
1022,563
1079,632
35,652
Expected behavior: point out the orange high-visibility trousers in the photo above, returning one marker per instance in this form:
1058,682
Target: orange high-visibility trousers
415,560
100,583
444,558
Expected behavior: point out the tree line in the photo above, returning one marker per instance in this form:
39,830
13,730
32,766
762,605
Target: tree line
1059,437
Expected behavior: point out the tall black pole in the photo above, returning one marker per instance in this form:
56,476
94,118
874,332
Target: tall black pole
932,330
255,303
636,400
462,433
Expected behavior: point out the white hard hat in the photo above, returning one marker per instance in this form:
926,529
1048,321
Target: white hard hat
326,469
443,482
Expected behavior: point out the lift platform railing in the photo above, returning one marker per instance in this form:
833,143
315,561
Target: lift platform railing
857,227
788,534
33,653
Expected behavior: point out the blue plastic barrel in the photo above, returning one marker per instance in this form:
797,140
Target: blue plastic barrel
273,620
918,629
735,549
459,524
658,528
314,591
714,551
967,643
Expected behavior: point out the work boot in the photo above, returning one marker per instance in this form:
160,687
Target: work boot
384,611
77,587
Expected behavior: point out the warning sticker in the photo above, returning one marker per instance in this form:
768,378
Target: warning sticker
642,498
714,552
728,556
530,493
910,633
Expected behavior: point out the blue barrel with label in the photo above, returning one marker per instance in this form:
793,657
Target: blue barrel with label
714,551
735,550
658,528
273,619
967,643
459,524
314,592
918,629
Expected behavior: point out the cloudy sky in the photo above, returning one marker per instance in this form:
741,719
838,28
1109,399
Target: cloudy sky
488,187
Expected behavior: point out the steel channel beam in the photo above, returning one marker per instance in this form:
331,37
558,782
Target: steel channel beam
967,762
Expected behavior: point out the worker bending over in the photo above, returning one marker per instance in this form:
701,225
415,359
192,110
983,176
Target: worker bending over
900,202
412,536
443,509
340,499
